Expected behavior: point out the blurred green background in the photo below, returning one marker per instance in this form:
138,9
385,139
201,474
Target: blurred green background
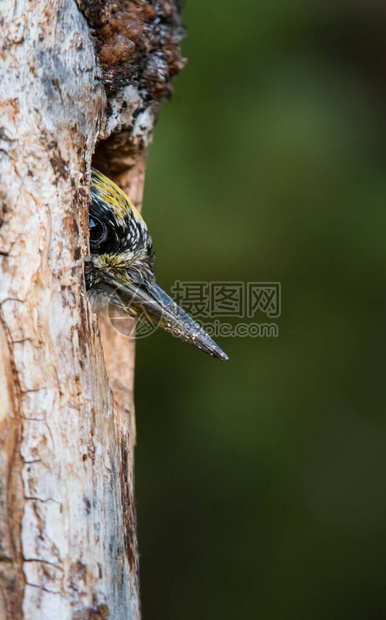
261,483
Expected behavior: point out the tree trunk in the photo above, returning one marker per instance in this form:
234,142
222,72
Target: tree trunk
75,78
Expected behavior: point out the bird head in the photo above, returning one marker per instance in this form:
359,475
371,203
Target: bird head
120,268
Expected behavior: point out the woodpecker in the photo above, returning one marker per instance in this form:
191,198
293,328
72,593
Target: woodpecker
120,268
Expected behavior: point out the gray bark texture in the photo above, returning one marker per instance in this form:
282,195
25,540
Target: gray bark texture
80,83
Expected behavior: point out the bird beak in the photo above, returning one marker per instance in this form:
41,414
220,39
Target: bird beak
152,302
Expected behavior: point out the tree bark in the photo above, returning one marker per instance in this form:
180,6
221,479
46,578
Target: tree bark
76,78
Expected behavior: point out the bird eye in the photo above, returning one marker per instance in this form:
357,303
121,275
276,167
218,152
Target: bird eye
98,232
